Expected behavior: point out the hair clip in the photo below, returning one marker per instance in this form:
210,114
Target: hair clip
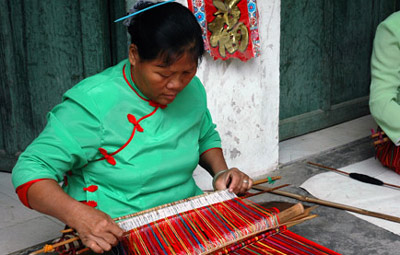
143,10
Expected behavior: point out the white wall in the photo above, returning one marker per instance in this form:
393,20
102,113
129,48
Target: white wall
243,98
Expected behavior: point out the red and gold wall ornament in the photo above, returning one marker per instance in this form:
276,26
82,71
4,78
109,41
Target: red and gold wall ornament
230,27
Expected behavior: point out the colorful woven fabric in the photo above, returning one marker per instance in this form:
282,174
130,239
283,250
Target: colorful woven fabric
387,152
200,230
280,241
236,226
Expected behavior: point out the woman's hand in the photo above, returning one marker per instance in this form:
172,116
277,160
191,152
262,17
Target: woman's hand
96,229
234,180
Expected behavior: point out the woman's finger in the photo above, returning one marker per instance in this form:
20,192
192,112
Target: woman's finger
110,239
102,243
239,182
245,185
117,231
92,244
235,182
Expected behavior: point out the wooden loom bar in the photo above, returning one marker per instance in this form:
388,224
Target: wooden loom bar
381,141
345,173
327,167
264,191
50,247
377,134
331,204
381,137
273,178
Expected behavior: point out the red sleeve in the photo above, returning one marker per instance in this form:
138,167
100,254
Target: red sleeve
22,191
209,150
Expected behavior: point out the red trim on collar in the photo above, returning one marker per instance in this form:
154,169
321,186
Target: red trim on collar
126,79
151,103
154,104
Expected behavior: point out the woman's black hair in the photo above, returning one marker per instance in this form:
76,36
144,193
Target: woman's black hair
167,32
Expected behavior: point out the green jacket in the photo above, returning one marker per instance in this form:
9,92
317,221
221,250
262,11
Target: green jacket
385,77
150,152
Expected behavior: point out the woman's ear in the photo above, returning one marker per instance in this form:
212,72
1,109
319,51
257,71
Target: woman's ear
133,54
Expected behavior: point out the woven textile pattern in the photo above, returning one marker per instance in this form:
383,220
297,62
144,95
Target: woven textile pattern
200,230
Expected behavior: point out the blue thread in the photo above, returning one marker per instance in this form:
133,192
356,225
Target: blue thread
143,10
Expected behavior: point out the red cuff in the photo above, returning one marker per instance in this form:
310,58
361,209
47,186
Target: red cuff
209,150
22,191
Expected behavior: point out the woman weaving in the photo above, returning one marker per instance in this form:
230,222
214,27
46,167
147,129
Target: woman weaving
384,99
130,137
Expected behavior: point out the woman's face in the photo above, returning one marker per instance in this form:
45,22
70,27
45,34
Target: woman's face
158,82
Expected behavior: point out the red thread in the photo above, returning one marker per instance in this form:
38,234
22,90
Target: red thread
90,203
133,120
151,103
91,188
65,181
110,159
133,132
126,79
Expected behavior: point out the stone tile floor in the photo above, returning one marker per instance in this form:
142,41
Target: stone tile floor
325,139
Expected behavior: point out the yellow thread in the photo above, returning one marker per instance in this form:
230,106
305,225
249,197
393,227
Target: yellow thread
196,228
48,248
176,234
171,250
210,225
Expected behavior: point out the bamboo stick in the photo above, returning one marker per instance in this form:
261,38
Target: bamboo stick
273,178
377,134
332,204
348,174
381,137
381,141
82,251
50,247
68,230
300,220
264,191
